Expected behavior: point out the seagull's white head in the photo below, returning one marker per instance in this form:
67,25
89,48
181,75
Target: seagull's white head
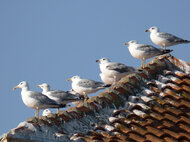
22,84
153,29
131,42
103,60
74,78
44,87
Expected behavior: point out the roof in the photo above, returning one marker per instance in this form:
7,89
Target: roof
150,106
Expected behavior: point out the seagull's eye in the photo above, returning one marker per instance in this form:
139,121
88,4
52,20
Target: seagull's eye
104,59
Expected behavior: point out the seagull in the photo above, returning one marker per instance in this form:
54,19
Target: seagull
164,39
59,96
113,70
144,51
85,86
36,100
46,112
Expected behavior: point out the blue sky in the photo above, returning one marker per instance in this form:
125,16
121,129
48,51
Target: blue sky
52,40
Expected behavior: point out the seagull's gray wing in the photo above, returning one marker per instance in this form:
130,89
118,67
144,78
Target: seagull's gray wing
119,67
149,49
152,51
57,93
90,83
44,100
64,96
170,37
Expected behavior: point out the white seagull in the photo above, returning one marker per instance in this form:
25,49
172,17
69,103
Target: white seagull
36,100
85,86
144,51
111,72
59,96
164,39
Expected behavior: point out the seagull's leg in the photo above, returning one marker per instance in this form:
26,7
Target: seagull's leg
58,111
164,46
143,63
115,80
37,113
85,96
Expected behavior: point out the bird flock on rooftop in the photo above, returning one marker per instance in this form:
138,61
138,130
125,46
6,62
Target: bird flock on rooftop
111,73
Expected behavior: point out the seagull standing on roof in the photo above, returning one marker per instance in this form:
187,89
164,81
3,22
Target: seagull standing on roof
164,39
59,96
36,100
85,86
111,72
144,51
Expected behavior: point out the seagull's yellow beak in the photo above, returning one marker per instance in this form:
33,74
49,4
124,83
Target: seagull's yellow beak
38,85
69,79
126,43
15,87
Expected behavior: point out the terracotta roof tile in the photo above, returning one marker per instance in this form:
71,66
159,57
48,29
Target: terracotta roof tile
169,139
142,131
175,80
184,119
186,88
168,124
186,80
153,138
185,102
136,137
171,117
185,95
171,133
154,131
180,74
185,127
122,128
